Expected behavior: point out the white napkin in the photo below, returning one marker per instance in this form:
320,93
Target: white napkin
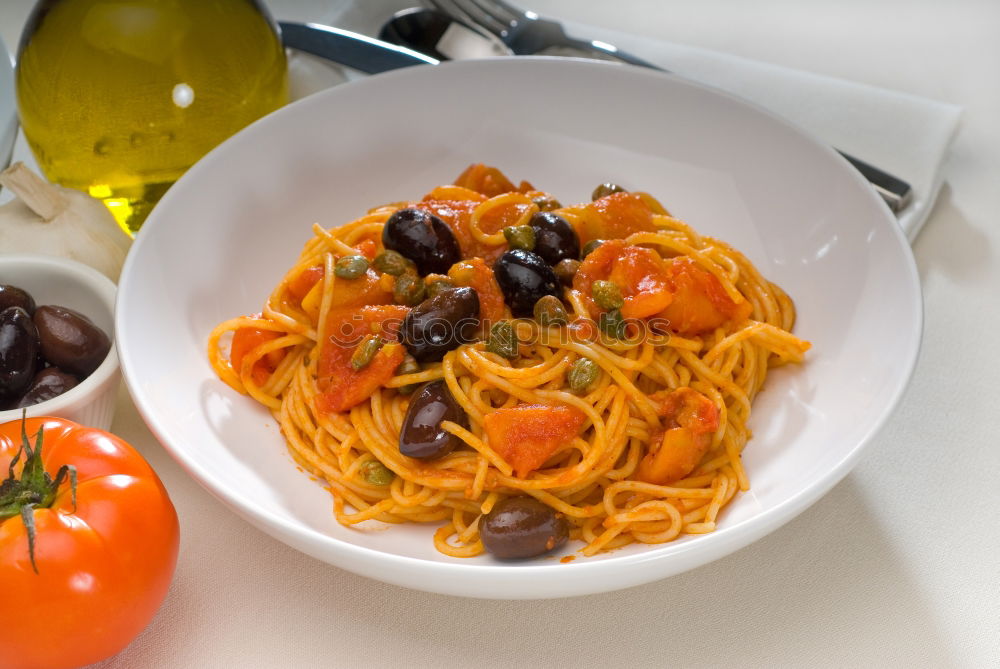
902,134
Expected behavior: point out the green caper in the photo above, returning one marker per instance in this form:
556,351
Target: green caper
612,324
375,473
566,269
350,267
606,189
546,203
589,247
549,310
607,294
409,289
502,340
365,352
435,288
582,374
391,262
520,237
408,366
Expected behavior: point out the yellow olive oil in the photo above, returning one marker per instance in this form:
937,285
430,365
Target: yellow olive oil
118,98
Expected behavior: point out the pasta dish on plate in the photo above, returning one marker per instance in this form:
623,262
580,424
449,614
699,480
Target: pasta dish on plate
520,372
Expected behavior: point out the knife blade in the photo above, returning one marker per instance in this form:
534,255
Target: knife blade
357,51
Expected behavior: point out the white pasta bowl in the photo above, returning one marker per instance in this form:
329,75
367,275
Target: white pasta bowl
227,232
71,284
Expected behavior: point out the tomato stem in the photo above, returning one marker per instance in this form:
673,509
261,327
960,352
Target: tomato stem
28,518
35,489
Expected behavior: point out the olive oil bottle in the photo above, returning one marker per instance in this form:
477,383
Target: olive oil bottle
118,98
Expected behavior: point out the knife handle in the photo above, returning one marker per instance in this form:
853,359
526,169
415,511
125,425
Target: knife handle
896,192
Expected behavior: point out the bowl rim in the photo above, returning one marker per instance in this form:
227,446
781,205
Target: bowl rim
106,291
645,566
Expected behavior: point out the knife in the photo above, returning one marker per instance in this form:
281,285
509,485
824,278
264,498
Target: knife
357,51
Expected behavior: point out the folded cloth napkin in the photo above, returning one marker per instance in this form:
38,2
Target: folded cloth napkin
902,134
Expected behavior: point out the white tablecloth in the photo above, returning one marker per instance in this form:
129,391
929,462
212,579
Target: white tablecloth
898,566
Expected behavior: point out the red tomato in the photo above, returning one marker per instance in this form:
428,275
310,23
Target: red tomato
102,564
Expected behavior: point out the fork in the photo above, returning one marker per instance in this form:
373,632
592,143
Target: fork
525,33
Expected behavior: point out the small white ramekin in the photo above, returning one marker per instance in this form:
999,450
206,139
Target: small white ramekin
71,284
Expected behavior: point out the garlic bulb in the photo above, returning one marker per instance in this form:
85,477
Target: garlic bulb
56,221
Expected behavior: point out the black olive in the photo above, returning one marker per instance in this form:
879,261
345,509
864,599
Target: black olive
522,527
441,323
422,435
70,340
12,296
524,278
18,352
423,238
555,238
48,383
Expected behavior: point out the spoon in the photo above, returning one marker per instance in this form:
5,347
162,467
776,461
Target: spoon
436,34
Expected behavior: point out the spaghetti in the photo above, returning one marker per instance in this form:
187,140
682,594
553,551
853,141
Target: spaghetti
624,411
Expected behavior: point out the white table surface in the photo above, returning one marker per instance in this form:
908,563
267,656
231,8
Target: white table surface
898,566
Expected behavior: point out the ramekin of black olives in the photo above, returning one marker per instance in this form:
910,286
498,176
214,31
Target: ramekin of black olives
57,354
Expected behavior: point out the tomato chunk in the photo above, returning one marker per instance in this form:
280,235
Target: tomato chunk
450,192
700,302
691,420
489,181
690,299
303,282
247,339
616,216
527,435
341,386
368,248
457,215
639,272
498,217
478,275
363,291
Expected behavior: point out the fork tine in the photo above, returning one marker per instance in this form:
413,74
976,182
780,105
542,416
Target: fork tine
514,13
471,13
454,11
500,11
